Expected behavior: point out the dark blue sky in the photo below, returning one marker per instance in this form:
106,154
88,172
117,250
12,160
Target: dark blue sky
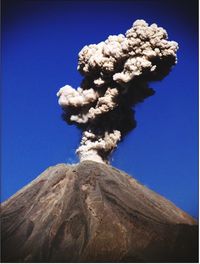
40,45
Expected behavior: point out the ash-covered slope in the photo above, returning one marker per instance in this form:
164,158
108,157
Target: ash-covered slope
91,212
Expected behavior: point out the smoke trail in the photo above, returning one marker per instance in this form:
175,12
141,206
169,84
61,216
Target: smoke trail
116,75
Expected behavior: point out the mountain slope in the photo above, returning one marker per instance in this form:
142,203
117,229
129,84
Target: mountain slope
91,212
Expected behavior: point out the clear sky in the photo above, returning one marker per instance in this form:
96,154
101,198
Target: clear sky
40,45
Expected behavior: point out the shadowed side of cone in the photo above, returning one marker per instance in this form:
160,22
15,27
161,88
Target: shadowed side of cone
92,212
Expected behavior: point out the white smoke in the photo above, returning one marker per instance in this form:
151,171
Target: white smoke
68,96
91,145
116,73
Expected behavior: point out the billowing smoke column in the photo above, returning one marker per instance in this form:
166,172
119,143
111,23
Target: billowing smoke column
116,75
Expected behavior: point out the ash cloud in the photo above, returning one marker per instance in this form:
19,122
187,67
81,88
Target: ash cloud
116,75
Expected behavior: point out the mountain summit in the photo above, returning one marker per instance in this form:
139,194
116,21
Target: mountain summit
92,212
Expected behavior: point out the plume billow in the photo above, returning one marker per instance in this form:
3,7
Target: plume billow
116,75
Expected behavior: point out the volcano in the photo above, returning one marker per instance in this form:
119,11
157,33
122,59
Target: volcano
92,212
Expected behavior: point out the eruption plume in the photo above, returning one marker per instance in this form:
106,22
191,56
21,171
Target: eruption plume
116,75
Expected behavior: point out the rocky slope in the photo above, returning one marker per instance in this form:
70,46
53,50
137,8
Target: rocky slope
92,212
